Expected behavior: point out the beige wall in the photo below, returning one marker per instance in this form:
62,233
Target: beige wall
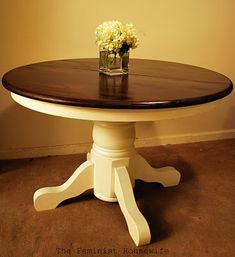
198,32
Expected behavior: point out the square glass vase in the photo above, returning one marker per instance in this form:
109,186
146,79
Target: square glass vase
113,64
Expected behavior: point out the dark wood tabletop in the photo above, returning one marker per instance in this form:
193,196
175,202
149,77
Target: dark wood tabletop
150,84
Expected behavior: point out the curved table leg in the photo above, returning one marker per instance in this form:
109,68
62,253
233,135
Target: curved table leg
167,176
111,168
50,197
137,225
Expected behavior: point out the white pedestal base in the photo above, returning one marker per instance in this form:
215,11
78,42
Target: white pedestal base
111,169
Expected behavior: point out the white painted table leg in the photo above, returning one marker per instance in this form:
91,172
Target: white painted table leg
50,197
137,225
167,176
111,169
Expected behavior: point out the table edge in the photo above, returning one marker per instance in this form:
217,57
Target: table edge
111,115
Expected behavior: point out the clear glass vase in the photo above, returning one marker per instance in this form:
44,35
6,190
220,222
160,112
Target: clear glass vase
113,63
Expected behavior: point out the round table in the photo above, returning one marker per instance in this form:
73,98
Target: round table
153,90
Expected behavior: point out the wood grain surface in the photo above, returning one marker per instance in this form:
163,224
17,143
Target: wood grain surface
150,84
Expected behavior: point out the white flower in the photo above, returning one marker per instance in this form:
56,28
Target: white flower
115,37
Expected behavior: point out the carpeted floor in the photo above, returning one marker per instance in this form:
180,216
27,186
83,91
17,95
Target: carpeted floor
195,218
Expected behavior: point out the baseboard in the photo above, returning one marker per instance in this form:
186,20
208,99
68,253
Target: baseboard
186,138
34,152
43,151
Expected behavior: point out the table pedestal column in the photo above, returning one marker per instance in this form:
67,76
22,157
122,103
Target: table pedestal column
111,169
113,147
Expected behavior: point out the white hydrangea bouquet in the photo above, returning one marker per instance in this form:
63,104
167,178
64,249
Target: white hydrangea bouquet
115,40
